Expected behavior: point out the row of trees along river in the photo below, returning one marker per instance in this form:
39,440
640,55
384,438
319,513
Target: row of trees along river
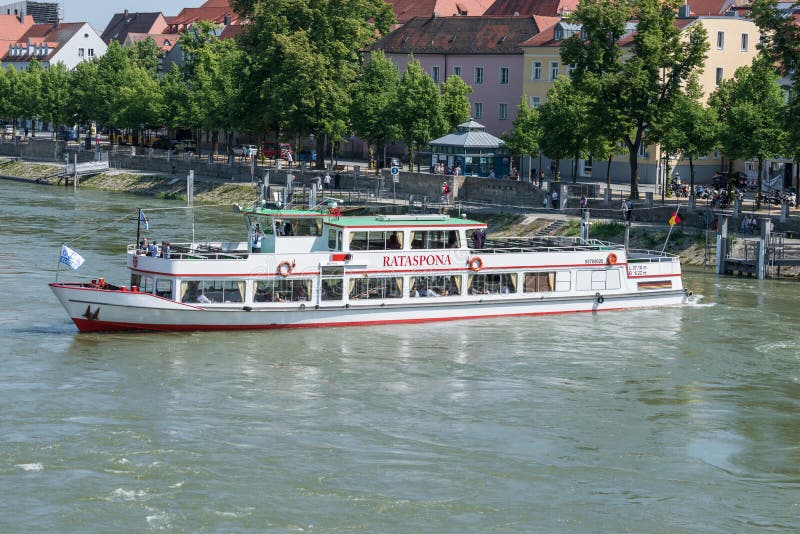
299,69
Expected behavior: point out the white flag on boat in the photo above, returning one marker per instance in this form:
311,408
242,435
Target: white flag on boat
143,220
70,257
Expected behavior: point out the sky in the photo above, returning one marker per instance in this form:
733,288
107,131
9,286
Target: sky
98,13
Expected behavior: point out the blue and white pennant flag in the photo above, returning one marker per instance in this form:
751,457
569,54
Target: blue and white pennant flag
143,220
70,257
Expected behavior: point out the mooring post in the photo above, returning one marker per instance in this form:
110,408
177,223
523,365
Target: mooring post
190,189
737,207
722,243
784,211
585,226
763,253
627,234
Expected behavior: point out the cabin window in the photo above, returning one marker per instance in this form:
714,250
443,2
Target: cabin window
546,282
492,284
332,240
434,239
164,288
144,283
434,286
212,291
593,280
309,227
376,288
331,289
376,241
282,290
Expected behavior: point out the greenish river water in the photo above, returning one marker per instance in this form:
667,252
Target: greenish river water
668,420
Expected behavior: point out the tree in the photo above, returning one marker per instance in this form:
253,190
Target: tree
418,111
32,104
302,59
455,101
526,131
83,98
752,110
632,90
374,95
56,93
145,54
690,128
176,95
565,117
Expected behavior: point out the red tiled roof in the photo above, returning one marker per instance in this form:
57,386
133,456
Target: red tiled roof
527,8
231,31
459,35
12,28
165,41
709,7
54,35
406,10
548,24
190,15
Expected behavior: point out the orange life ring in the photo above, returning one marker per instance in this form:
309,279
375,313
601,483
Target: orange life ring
611,259
475,264
284,268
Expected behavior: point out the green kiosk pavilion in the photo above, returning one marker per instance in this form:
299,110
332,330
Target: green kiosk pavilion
473,150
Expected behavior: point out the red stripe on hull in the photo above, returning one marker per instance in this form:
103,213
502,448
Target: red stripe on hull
85,325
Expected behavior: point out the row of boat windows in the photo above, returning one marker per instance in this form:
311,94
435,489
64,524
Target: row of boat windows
419,239
380,287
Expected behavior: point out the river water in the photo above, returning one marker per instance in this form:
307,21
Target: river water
670,420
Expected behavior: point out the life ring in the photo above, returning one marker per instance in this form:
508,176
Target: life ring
611,259
599,297
284,268
475,264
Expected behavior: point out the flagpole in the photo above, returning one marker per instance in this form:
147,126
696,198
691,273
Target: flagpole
138,225
671,226
58,267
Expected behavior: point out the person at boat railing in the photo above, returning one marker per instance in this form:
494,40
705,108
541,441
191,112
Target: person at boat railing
143,245
165,250
257,236
152,249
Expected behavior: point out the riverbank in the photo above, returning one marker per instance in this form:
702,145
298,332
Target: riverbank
688,243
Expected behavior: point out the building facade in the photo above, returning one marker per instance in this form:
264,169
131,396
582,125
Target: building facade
67,43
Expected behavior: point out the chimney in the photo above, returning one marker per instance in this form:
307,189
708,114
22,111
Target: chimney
125,14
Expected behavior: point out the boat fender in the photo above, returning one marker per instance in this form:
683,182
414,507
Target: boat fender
284,268
611,259
247,308
475,264
600,298
302,306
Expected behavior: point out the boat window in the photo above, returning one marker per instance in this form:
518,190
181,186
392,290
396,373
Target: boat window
427,239
492,284
547,281
283,290
308,227
212,291
332,239
164,288
434,286
594,279
376,240
376,288
331,289
144,283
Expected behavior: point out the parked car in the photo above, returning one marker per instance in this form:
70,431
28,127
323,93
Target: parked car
307,155
67,135
394,162
247,151
270,150
8,129
184,145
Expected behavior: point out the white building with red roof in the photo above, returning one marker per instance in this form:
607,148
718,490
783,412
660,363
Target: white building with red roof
67,42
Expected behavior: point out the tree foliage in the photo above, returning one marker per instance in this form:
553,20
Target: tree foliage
564,120
526,132
455,101
374,96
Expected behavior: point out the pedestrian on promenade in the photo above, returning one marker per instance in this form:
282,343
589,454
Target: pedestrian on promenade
554,198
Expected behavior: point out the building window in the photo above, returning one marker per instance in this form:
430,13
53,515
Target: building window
457,70
643,151
553,70
80,52
503,111
745,43
720,40
90,52
717,154
536,70
478,110
478,75
504,75
435,73
535,101
719,75
571,69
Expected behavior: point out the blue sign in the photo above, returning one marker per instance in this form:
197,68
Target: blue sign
395,171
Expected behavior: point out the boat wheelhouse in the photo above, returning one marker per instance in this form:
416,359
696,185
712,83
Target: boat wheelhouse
313,269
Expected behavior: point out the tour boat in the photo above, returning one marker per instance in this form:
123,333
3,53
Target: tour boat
307,268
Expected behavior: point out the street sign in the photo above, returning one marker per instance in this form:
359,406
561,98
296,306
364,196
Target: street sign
395,171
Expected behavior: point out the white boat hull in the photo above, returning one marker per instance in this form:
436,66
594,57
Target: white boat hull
93,310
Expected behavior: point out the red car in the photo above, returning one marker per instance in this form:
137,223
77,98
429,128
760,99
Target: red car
270,150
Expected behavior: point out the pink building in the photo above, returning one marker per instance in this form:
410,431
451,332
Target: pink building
484,51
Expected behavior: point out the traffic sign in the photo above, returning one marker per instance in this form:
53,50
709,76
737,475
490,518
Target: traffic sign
395,171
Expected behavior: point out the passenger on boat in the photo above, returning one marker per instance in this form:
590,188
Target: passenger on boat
165,250
278,228
143,246
394,242
257,236
202,299
152,250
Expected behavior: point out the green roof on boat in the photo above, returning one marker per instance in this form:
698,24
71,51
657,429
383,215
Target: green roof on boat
373,220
